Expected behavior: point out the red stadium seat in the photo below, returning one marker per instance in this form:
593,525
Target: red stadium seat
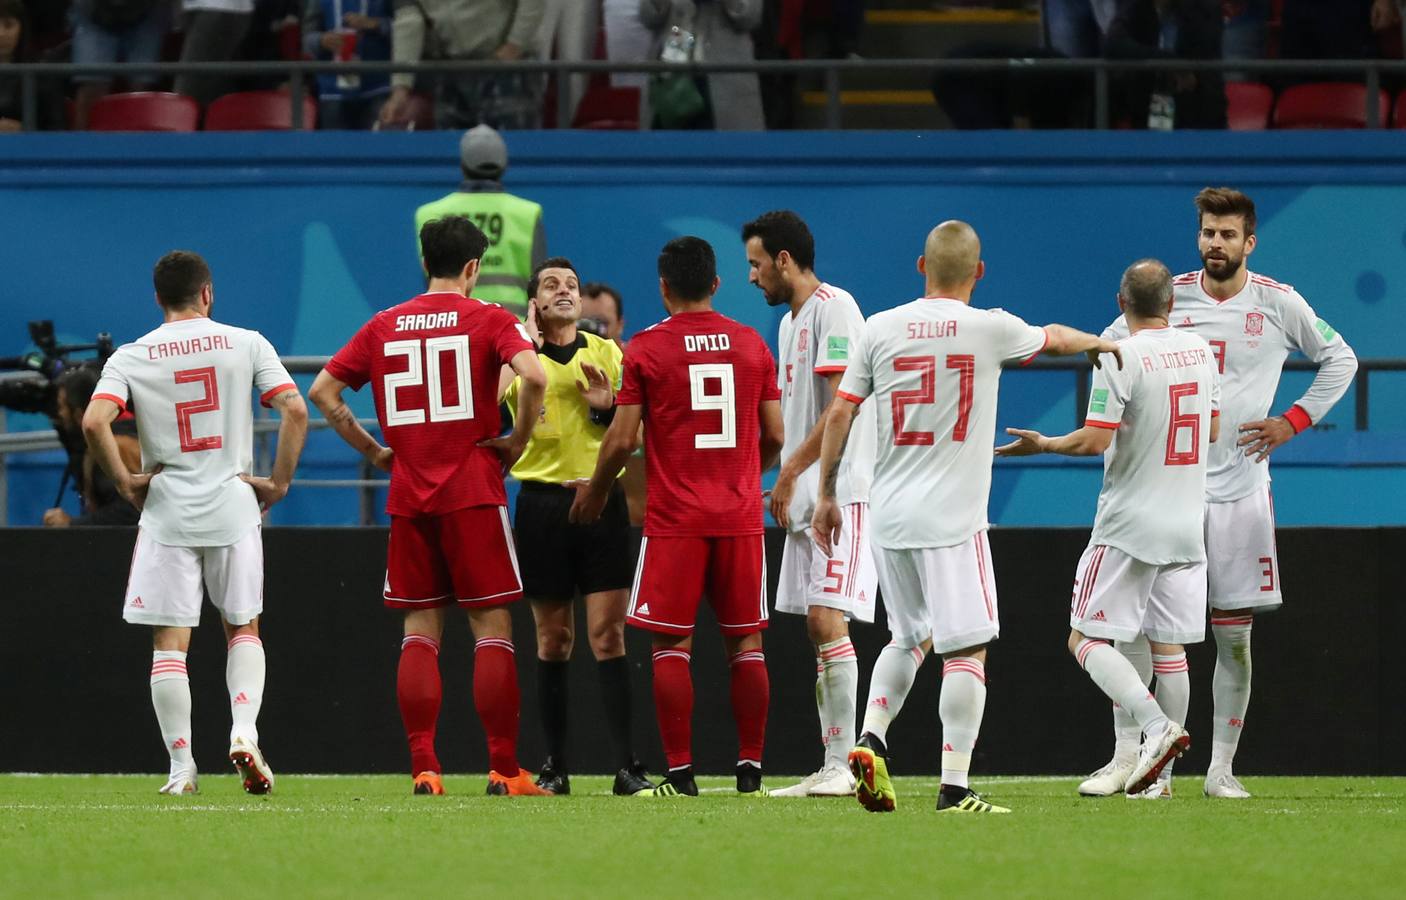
1398,117
609,109
144,111
257,111
1248,105
1327,105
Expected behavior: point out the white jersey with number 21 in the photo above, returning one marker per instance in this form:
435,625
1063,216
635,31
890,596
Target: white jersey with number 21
189,384
932,368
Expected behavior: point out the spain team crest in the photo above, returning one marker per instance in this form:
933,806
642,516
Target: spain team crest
1254,324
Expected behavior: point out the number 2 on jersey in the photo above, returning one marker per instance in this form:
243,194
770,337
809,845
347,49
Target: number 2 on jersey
208,403
926,392
724,401
430,351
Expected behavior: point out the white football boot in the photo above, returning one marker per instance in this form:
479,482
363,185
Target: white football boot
1110,779
253,771
831,781
1156,753
1161,789
1220,783
181,781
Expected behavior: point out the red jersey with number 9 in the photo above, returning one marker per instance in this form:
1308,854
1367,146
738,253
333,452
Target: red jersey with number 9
433,363
701,379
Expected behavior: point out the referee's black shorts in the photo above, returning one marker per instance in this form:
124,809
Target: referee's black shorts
559,559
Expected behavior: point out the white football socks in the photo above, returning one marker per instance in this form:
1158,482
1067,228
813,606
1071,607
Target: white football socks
889,685
170,697
1117,678
244,676
961,706
837,682
1127,733
1173,688
1230,688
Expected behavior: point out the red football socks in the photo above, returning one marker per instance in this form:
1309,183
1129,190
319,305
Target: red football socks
496,699
751,692
673,705
418,689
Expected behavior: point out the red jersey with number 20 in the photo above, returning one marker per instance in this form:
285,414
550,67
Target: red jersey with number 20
433,363
701,379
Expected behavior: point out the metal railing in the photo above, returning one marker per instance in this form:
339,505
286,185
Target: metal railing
265,427
829,70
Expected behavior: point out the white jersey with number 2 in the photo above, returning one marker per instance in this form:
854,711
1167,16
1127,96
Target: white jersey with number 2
932,368
1154,473
189,384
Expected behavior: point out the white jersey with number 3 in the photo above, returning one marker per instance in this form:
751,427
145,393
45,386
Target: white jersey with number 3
1154,473
189,385
813,345
932,368
1251,334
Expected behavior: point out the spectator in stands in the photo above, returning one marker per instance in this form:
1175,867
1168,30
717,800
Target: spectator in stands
102,504
110,31
329,27
14,48
1167,29
503,30
1387,14
214,31
1246,29
1075,28
570,27
722,33
627,40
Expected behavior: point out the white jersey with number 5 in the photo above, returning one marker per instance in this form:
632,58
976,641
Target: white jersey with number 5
932,368
813,345
1251,335
189,384
1154,473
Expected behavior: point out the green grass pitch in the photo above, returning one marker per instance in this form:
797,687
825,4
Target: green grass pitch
66,836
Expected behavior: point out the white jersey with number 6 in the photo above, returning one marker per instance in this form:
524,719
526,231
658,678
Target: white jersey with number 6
1154,473
1252,334
189,385
932,368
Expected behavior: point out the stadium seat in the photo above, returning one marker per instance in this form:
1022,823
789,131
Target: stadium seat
609,109
1327,105
1398,116
144,111
1248,105
257,111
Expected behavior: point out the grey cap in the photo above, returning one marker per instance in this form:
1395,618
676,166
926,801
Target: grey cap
483,153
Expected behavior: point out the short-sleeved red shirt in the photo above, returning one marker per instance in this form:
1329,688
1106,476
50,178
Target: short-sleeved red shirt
433,363
701,379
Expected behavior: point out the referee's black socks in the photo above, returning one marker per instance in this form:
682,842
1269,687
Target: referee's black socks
551,703
615,692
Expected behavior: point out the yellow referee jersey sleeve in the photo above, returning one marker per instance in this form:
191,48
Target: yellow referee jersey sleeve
566,442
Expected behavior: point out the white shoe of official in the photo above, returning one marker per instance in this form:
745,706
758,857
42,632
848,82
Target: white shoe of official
253,771
831,781
181,781
1222,784
1156,753
1110,779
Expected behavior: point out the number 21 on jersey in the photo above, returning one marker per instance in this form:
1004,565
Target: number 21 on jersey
926,366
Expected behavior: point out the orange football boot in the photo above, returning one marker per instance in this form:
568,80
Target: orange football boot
428,783
520,785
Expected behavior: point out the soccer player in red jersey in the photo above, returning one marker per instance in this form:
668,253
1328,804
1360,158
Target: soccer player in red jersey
705,388
433,363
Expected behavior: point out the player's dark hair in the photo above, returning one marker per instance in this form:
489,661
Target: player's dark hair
1224,201
689,268
79,382
178,279
596,288
551,262
1146,288
780,230
449,244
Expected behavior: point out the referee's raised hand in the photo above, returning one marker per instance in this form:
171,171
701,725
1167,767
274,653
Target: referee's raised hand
597,391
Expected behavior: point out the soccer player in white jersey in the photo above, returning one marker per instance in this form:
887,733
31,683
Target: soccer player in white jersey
1252,323
931,368
1144,571
189,383
813,344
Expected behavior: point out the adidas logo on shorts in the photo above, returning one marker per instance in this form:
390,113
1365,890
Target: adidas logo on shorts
1099,617
643,610
136,603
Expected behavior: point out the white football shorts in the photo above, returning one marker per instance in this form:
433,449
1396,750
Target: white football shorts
1242,558
845,581
1117,598
167,583
945,593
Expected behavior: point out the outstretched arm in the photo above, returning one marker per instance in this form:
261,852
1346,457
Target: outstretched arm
1066,341
1090,440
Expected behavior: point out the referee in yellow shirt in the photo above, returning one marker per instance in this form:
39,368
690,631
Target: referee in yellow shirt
559,559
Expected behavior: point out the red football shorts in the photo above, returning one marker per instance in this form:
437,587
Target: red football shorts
465,556
674,573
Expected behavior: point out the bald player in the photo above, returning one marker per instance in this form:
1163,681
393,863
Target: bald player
932,368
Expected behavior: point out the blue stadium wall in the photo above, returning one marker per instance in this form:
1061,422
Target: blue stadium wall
309,233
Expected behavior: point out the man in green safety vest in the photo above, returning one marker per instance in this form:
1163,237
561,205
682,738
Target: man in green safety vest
516,241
